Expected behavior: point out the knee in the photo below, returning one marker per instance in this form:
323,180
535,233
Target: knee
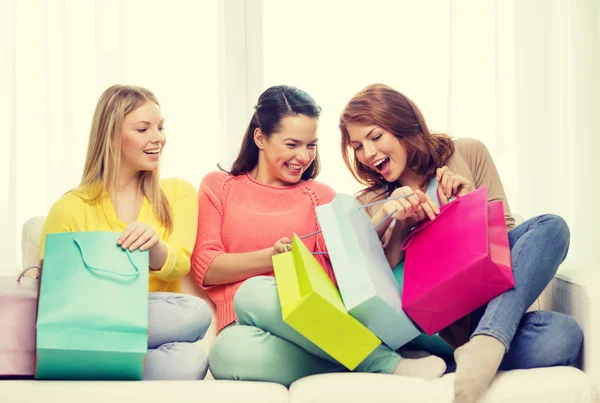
558,230
187,316
197,315
565,339
572,335
176,361
229,356
256,297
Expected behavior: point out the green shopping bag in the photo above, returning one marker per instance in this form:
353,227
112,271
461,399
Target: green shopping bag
433,344
93,308
312,305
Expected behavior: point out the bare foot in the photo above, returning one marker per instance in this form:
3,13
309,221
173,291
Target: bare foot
476,365
428,368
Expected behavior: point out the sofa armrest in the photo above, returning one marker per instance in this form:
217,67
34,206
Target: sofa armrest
30,241
572,292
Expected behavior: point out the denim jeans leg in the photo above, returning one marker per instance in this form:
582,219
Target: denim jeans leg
175,323
538,247
544,339
176,318
176,361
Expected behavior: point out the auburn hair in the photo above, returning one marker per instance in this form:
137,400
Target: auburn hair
383,106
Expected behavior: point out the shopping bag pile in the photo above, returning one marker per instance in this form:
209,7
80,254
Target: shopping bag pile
453,265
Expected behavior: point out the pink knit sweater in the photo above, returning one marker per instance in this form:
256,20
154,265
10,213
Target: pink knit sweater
237,214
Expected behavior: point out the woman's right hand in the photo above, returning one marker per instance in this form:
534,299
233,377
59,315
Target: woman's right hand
283,245
416,207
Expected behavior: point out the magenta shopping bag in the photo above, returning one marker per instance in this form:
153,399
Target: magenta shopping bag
18,310
457,262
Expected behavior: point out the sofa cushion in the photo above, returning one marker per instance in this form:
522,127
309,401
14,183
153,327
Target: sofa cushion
147,392
547,385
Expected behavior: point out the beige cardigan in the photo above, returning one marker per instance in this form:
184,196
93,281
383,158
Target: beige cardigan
472,160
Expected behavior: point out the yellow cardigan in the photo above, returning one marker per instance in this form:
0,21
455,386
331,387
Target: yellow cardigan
73,213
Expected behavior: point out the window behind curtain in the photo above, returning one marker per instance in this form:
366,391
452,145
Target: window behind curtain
334,49
59,56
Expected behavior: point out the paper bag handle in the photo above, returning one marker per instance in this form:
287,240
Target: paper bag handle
26,270
420,228
97,270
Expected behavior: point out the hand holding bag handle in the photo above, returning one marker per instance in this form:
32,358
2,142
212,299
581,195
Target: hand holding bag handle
96,270
421,228
424,225
362,207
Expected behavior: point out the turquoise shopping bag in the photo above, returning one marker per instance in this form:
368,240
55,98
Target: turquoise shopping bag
433,344
364,276
93,308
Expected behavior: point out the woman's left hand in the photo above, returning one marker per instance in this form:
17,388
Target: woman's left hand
138,235
452,184
429,209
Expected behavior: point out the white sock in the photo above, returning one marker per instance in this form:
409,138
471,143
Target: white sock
476,365
428,368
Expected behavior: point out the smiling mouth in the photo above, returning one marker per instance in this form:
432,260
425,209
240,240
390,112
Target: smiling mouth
294,168
152,152
382,165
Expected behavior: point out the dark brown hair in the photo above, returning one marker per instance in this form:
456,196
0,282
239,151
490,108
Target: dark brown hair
387,108
273,105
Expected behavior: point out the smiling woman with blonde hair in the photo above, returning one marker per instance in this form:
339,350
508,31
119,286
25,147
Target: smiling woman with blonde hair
120,191
103,159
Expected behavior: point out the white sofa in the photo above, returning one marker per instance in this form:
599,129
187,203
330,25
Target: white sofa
568,294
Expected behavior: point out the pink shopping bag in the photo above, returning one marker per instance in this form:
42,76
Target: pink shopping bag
457,262
18,310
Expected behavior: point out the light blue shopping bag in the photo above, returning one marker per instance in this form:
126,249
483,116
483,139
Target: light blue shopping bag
93,308
370,292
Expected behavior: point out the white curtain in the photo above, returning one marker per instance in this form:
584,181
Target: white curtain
58,56
519,75
522,76
524,79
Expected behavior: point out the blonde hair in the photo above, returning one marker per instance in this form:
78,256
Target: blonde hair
103,158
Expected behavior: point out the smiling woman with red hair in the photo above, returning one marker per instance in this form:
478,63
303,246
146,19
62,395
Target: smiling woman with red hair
388,148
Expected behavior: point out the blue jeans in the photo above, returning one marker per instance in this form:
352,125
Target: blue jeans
534,339
175,322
